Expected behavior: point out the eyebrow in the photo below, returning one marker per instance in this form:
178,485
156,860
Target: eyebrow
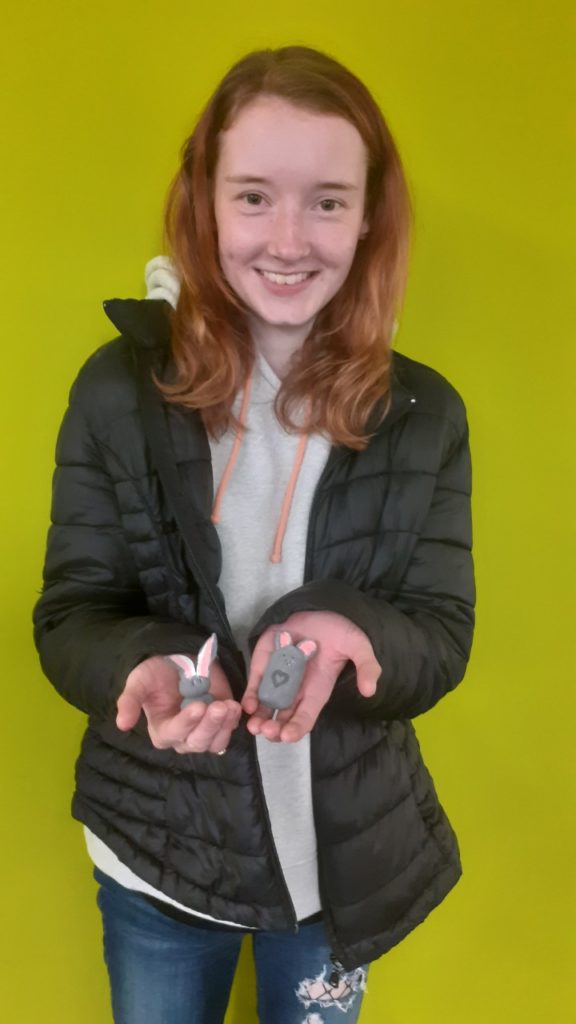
251,179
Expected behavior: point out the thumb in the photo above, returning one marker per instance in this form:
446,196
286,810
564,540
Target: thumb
129,704
258,662
368,672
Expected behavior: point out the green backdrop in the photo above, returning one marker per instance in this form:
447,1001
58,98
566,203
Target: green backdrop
96,101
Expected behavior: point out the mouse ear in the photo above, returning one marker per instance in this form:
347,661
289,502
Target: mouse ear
206,655
283,639
308,648
184,663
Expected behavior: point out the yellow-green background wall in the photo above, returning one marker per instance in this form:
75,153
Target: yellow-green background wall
96,101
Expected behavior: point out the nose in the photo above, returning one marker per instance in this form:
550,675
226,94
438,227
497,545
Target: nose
288,239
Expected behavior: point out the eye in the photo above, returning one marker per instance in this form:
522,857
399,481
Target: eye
335,203
250,197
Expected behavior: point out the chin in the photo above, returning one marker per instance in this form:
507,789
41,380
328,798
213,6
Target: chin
286,311
283,321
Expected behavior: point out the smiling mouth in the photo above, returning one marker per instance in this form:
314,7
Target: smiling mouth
286,279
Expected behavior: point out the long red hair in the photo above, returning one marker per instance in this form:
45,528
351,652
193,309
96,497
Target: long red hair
343,368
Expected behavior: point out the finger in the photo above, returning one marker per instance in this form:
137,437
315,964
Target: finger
220,716
272,727
302,722
129,705
168,731
317,686
185,744
291,727
198,739
317,689
368,672
250,703
222,738
260,716
258,662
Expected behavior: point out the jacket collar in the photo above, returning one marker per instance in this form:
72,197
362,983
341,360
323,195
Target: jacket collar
146,321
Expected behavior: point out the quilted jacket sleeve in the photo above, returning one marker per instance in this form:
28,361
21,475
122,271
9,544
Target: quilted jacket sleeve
91,625
422,634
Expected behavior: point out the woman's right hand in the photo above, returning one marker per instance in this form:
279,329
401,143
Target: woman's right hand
152,687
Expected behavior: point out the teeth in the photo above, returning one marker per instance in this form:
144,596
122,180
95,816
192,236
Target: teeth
284,278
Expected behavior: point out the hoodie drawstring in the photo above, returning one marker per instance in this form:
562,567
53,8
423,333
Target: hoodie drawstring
276,554
234,453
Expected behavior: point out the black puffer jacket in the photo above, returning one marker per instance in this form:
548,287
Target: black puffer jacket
388,547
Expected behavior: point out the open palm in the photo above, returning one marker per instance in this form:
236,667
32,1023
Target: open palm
338,641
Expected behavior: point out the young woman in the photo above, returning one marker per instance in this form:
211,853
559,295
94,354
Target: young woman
249,459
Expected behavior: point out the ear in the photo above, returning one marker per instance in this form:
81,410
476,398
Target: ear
283,639
364,229
184,663
206,655
308,648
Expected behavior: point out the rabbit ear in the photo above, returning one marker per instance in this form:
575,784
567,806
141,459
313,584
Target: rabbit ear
308,648
283,639
206,655
183,662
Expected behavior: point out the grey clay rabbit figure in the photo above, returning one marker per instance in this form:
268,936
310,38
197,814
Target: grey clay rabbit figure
194,679
284,671
279,684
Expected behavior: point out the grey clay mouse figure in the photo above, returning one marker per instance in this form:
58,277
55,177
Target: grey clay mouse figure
194,679
284,671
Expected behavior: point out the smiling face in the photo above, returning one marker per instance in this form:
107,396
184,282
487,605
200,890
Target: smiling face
289,196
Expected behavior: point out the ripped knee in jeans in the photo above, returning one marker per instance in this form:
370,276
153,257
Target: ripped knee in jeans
331,989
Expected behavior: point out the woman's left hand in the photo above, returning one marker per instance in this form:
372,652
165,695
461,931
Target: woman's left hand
338,640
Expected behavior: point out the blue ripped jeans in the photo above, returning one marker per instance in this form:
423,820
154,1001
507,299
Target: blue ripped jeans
163,971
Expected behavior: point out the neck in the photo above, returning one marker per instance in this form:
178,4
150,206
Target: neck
278,344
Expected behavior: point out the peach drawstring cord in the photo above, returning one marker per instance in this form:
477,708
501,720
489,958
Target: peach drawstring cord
234,453
276,555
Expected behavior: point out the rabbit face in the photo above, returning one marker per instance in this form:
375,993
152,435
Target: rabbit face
194,680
